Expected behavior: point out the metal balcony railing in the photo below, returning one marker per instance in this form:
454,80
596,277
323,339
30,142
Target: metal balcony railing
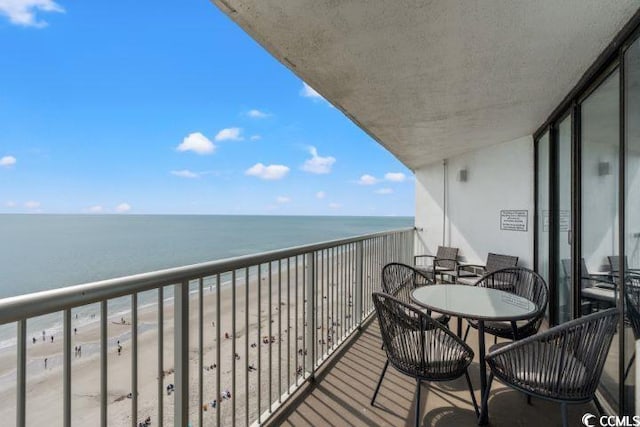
275,317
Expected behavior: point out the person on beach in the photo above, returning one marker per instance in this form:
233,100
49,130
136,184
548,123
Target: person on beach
43,335
119,349
45,363
52,338
75,330
34,340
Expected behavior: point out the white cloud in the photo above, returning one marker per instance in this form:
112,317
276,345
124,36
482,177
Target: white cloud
283,199
317,164
95,209
255,138
229,134
309,92
321,195
271,172
257,114
32,204
395,177
123,207
11,204
196,142
185,173
335,205
384,191
7,160
367,180
23,12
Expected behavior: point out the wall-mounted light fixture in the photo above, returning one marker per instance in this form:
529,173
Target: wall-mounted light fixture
604,168
463,175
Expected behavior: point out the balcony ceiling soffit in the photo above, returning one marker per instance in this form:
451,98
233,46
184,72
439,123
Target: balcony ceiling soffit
432,79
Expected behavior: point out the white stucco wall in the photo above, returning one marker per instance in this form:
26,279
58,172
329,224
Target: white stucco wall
499,177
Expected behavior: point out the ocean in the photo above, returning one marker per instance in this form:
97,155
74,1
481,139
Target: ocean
42,252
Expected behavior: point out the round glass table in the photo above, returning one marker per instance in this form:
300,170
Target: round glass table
480,304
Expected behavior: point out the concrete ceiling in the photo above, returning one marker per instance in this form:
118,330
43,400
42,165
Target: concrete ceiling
433,79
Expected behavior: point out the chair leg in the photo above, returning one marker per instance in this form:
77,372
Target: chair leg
473,395
485,399
626,371
563,409
418,403
495,339
528,399
466,333
384,370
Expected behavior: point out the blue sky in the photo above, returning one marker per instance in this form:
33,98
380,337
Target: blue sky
169,107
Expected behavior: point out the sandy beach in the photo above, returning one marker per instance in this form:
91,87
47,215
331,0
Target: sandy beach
44,385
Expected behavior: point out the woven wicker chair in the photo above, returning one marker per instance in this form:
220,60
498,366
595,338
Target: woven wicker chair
399,280
418,346
562,364
466,274
445,261
524,283
632,299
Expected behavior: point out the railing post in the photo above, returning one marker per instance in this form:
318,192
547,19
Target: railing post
413,238
181,354
103,364
359,281
310,321
385,250
66,368
21,375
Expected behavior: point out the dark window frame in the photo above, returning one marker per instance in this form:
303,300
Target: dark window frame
610,60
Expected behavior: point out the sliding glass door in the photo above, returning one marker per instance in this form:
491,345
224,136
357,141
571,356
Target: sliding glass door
564,295
599,183
631,262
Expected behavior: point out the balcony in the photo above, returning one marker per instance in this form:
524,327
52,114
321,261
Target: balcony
312,358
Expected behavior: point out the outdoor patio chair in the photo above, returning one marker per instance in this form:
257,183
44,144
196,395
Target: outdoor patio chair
596,289
632,299
445,261
419,347
466,274
614,263
399,280
525,283
562,364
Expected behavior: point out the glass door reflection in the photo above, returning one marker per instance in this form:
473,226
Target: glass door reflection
600,153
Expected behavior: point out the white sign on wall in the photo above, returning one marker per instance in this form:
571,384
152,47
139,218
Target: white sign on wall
514,220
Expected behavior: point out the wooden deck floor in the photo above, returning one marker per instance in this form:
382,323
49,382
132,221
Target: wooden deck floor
342,392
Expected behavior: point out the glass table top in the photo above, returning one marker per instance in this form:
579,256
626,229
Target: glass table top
474,302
